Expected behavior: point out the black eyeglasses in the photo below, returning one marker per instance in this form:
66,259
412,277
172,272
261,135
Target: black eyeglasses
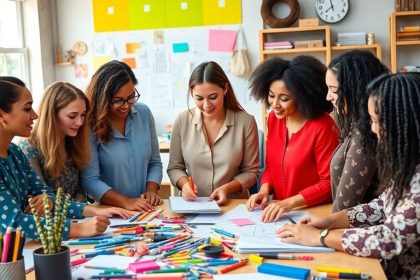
130,100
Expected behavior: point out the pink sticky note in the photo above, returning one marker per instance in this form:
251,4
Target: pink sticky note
242,222
222,40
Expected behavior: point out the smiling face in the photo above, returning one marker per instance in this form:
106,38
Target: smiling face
332,84
374,117
209,99
281,100
72,117
19,121
125,92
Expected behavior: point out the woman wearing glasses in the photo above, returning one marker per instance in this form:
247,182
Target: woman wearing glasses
125,168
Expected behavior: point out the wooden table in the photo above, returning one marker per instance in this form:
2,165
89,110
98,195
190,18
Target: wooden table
337,259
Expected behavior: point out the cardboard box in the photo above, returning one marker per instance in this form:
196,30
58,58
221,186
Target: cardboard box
308,22
315,43
301,44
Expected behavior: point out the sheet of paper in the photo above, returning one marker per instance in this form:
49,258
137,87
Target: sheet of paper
29,259
200,205
115,261
249,276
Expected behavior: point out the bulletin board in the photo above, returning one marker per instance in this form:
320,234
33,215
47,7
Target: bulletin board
126,15
163,59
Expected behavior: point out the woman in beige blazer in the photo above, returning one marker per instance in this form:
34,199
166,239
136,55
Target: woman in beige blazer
215,143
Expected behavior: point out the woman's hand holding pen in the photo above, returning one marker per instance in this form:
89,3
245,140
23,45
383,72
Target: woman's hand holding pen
189,190
107,212
94,226
38,204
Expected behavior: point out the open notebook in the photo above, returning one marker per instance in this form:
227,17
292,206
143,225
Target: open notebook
200,205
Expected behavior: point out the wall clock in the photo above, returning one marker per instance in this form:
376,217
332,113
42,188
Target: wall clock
332,11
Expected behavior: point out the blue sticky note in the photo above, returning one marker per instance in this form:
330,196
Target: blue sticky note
180,47
284,270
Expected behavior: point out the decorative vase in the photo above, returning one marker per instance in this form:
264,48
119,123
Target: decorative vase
52,266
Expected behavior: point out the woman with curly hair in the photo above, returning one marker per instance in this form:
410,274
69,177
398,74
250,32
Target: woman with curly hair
386,228
301,135
125,168
354,178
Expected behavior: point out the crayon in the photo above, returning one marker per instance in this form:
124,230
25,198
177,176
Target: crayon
234,266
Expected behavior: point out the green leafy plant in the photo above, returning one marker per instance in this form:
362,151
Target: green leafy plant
51,233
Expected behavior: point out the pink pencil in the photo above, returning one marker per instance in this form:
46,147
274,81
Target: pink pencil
6,244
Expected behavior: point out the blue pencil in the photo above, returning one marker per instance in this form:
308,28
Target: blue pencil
134,218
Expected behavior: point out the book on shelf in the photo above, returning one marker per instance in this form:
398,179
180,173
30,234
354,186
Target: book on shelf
410,68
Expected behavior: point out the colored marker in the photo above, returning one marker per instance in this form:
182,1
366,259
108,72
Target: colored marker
192,184
78,261
107,276
6,246
336,269
234,266
341,275
223,232
99,267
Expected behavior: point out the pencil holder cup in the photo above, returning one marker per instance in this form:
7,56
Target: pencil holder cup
52,266
13,270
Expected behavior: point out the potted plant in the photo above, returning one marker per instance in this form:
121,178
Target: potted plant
52,260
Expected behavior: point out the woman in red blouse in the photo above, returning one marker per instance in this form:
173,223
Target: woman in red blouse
301,136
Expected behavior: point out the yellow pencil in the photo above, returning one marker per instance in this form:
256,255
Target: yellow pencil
336,269
17,242
142,216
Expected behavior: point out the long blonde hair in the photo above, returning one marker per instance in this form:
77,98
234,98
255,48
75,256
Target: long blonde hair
46,135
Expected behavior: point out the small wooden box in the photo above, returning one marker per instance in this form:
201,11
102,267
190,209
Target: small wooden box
301,44
315,43
308,22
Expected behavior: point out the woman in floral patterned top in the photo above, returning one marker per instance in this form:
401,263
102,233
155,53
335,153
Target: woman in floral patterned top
388,227
59,144
18,180
353,167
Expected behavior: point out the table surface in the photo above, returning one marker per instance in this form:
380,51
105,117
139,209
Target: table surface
335,259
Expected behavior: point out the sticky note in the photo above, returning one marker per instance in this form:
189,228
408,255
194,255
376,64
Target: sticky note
132,47
180,47
98,61
242,222
222,40
130,61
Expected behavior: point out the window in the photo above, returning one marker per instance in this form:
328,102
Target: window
13,54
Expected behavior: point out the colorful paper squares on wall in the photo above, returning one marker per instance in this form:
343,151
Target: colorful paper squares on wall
111,15
130,61
180,47
222,40
98,61
131,48
222,12
158,37
182,13
147,14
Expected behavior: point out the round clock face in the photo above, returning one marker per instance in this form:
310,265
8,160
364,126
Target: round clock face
331,11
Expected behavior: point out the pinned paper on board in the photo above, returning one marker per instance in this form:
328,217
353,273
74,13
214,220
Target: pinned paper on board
130,61
222,40
158,37
242,222
180,47
131,48
98,61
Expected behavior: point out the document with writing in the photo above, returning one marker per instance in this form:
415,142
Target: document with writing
200,205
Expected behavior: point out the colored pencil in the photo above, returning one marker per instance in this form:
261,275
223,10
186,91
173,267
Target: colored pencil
17,243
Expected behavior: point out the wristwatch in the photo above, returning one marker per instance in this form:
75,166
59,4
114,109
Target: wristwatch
322,236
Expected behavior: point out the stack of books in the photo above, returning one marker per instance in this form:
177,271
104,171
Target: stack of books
278,45
409,33
349,39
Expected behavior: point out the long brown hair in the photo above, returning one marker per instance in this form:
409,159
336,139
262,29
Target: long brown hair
105,83
211,72
46,135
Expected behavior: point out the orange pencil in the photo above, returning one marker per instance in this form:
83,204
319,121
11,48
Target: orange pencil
1,244
142,216
17,242
234,266
192,184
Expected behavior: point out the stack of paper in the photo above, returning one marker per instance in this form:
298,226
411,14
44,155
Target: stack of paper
200,205
348,39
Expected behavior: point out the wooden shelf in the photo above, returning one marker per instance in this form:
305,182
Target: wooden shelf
394,20
376,48
294,50
64,64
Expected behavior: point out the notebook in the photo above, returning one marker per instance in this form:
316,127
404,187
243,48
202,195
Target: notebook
200,205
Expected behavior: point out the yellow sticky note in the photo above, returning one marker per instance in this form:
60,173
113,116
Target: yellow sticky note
98,61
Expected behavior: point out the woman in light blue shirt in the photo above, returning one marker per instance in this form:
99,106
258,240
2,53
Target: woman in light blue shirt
125,168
